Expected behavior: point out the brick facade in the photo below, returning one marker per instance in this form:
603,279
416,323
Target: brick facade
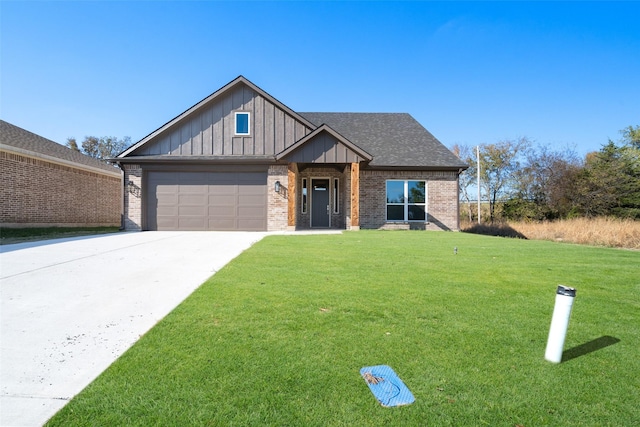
37,192
278,203
133,197
442,199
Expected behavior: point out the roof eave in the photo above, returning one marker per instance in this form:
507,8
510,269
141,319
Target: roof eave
452,168
194,160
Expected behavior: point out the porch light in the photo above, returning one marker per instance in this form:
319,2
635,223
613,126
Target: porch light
277,187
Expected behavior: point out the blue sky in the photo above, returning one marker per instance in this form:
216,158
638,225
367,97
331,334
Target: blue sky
565,74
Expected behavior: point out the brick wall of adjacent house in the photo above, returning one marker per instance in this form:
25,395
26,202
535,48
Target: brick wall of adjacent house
132,197
37,192
442,199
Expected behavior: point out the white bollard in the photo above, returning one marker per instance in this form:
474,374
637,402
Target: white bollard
559,323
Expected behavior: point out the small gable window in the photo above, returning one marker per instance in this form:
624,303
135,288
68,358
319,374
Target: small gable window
242,123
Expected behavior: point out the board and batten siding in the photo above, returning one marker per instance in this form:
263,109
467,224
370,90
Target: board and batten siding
324,148
210,131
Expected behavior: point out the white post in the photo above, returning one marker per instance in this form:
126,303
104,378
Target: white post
559,323
478,168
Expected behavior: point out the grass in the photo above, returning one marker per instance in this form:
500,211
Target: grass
19,235
609,232
279,335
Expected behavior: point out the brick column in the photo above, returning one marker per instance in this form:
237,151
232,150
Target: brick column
292,196
132,197
355,196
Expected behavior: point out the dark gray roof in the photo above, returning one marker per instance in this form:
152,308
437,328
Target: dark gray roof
393,139
23,140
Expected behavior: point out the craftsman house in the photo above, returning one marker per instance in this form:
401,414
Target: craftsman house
242,160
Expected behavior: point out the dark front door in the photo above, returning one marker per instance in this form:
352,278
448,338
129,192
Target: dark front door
320,203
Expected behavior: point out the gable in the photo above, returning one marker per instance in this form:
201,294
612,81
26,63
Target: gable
208,128
324,145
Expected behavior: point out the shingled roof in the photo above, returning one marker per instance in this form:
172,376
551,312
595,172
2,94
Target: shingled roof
14,138
393,139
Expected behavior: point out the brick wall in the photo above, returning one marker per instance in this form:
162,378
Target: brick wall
277,203
442,199
36,192
133,197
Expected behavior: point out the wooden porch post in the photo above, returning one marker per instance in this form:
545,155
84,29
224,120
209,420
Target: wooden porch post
355,196
291,197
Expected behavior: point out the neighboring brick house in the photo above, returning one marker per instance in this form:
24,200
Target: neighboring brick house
45,184
242,160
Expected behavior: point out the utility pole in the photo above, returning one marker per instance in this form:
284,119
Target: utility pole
478,168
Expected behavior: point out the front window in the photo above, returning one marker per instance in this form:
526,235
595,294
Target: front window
304,196
242,123
336,196
406,200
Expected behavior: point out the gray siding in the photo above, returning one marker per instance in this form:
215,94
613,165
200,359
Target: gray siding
324,148
210,130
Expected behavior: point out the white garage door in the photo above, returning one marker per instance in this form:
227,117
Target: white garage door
207,200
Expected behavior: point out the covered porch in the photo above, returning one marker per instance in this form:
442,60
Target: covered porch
322,182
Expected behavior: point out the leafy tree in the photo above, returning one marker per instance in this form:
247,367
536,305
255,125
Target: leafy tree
543,184
631,136
609,184
102,148
499,163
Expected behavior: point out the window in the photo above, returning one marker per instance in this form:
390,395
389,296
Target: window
242,123
336,199
406,200
304,196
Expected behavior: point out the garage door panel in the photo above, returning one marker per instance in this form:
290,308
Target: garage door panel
207,200
249,199
222,199
167,199
192,199
167,222
223,224
192,189
199,211
168,210
222,211
223,190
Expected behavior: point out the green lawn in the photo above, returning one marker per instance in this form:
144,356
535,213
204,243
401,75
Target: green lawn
279,335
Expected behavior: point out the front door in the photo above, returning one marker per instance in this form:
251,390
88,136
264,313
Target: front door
320,203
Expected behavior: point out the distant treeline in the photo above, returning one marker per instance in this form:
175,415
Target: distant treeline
522,181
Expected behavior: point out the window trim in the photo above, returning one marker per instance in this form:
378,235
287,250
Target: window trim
336,196
405,203
235,122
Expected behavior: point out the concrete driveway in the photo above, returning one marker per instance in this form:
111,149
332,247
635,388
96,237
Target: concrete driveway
70,307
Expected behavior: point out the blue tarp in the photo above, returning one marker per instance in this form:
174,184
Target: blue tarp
386,386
